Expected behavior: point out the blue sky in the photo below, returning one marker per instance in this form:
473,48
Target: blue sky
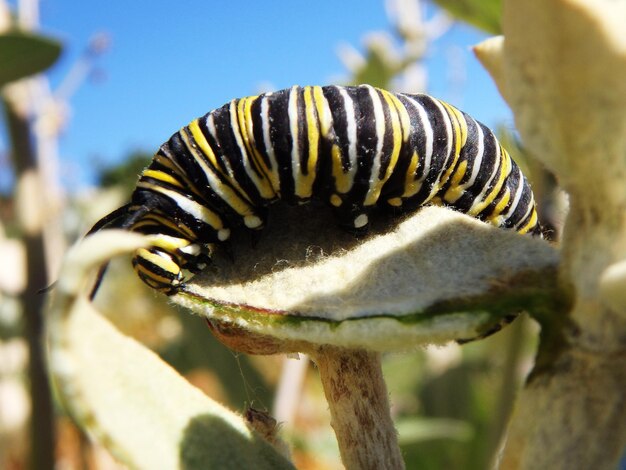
170,62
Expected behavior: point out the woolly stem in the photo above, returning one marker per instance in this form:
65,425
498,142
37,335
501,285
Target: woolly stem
359,407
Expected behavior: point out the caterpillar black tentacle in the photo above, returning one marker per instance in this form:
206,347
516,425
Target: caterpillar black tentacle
355,148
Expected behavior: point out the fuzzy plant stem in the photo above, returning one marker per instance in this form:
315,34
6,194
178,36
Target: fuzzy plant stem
359,407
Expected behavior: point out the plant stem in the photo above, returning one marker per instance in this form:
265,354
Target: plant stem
359,407
516,336
42,435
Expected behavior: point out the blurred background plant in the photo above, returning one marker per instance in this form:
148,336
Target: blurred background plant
451,404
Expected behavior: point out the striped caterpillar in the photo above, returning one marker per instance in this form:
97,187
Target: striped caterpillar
356,148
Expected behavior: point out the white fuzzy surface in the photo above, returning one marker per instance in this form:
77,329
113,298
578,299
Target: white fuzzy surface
306,267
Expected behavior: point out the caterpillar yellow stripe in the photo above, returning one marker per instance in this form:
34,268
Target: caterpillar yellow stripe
354,147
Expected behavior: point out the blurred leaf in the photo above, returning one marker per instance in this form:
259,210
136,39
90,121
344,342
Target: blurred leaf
377,70
137,406
198,348
23,54
125,173
483,14
423,429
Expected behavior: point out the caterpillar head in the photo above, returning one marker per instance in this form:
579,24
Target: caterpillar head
171,257
169,261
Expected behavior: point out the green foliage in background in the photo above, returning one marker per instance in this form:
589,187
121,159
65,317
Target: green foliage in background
23,54
377,70
483,14
126,173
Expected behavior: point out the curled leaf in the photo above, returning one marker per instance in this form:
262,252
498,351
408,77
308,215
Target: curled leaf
137,406
489,53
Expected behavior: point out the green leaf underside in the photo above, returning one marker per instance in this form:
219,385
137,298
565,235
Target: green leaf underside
23,54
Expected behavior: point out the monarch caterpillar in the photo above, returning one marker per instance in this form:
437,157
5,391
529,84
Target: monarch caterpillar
356,148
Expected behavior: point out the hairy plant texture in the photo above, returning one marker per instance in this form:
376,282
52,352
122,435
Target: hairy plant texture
561,67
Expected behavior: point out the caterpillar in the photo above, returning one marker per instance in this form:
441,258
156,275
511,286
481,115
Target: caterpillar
354,147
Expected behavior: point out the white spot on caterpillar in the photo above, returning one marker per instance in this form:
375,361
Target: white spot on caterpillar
223,234
361,221
252,221
192,249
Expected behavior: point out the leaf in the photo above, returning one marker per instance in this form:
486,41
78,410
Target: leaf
137,406
483,14
23,54
433,277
